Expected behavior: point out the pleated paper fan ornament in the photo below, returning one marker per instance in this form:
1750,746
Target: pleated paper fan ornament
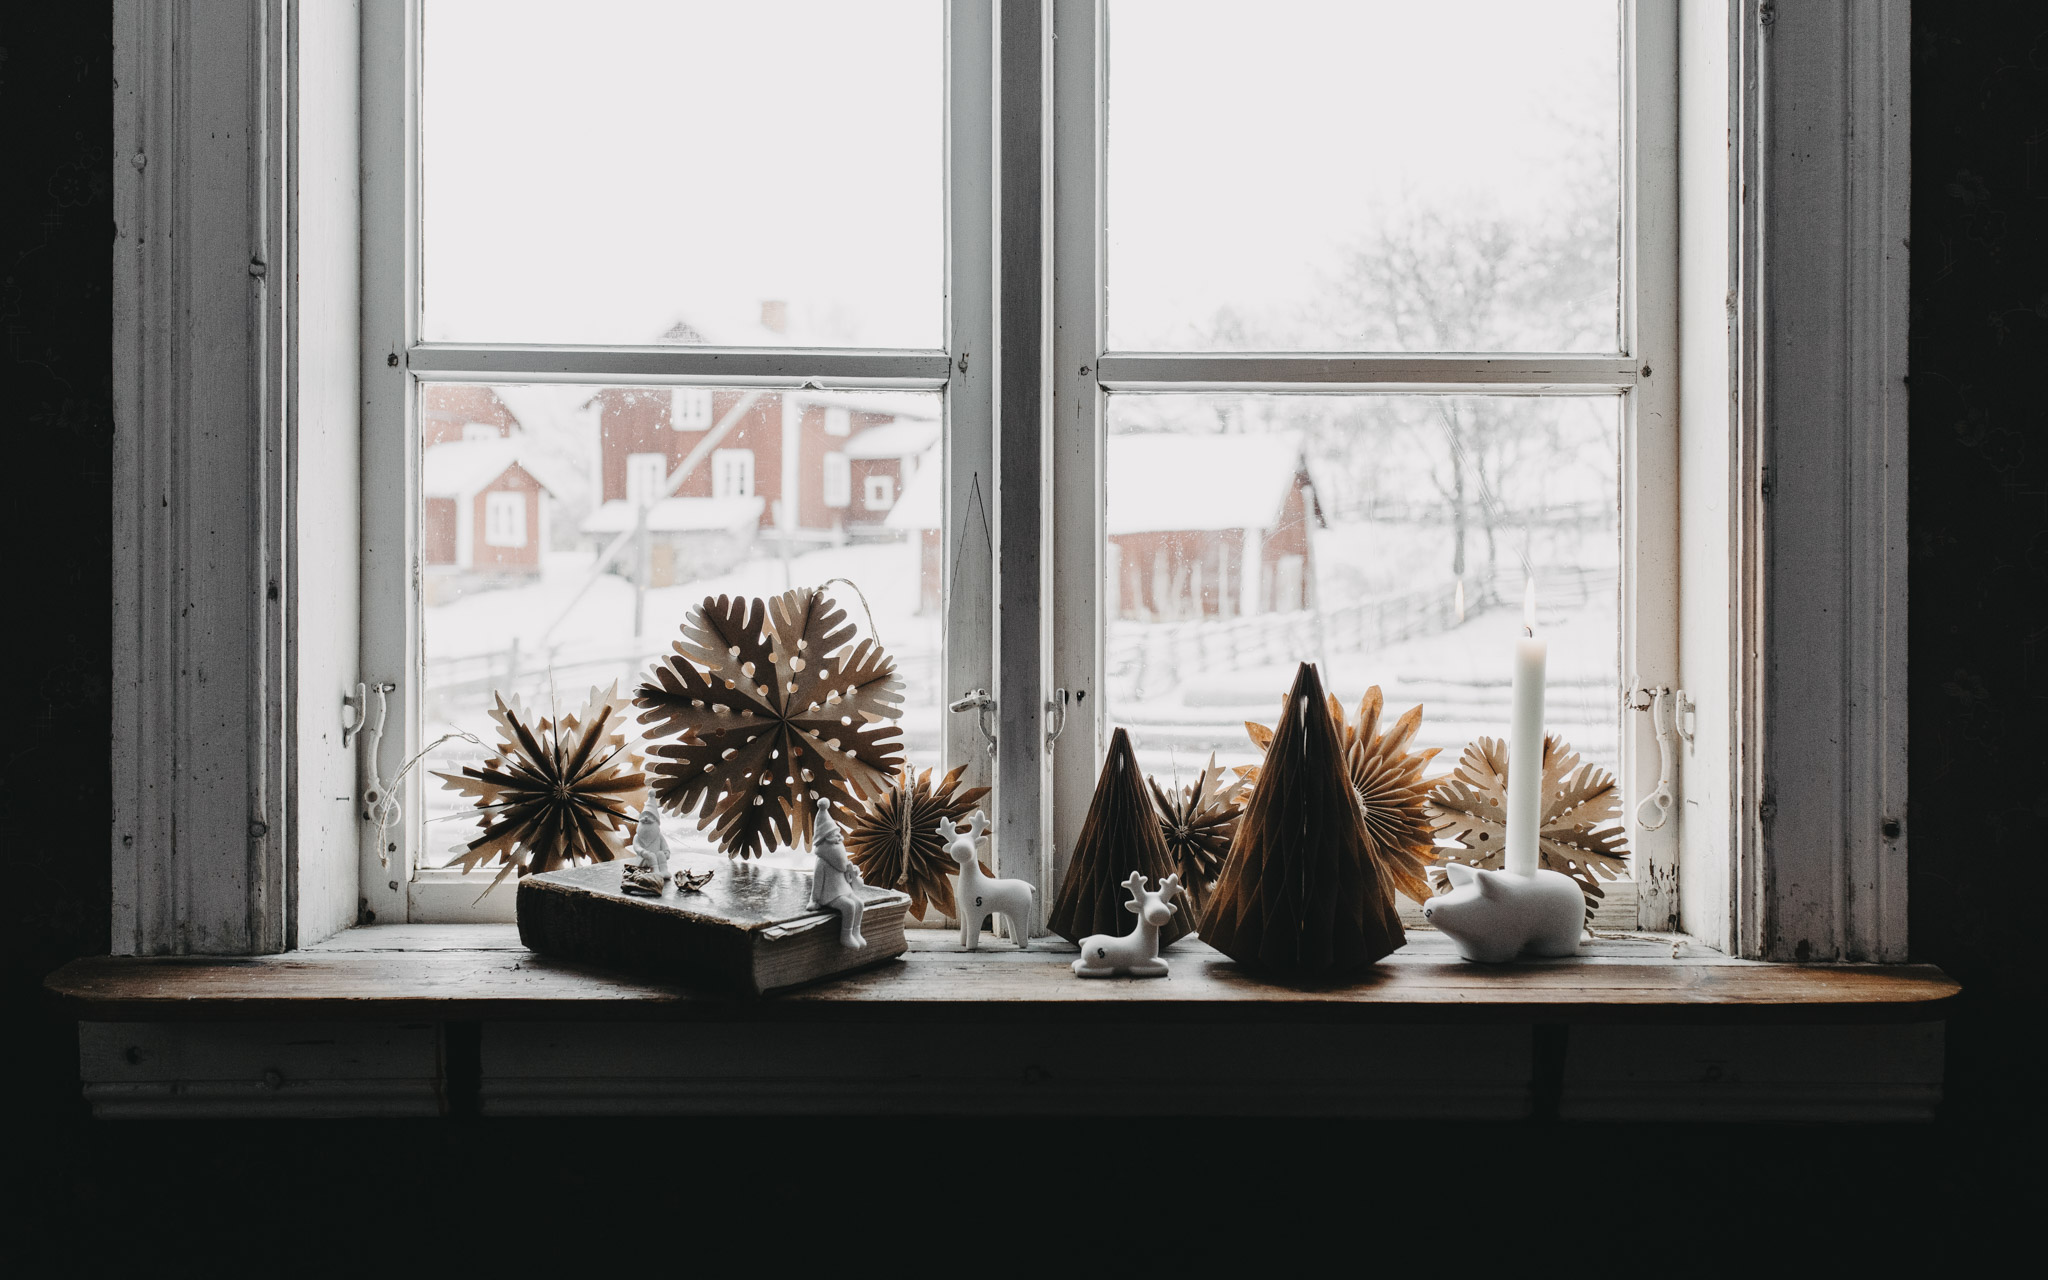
1120,835
1303,892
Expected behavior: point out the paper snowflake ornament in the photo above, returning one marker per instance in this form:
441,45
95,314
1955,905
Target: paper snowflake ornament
1197,822
896,841
1386,776
1582,833
769,710
559,793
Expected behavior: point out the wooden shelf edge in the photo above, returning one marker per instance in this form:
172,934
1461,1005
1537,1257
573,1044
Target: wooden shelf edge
1424,985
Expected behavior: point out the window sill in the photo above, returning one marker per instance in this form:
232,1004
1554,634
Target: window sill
462,1019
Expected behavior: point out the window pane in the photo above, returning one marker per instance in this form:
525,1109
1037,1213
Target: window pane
1363,175
525,488
1249,533
641,173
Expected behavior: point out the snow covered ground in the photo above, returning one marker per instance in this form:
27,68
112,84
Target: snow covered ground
549,644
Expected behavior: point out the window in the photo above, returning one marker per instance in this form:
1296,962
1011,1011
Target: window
838,480
1472,282
878,493
646,478
732,473
691,409
1559,359
838,422
505,519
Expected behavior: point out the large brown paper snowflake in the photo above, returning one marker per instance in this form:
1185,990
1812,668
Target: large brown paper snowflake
896,840
1582,833
559,793
1387,779
770,711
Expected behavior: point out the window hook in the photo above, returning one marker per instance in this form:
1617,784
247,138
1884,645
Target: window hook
984,707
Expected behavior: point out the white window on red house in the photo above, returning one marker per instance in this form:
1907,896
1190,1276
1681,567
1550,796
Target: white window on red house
838,422
646,477
838,480
732,473
880,493
505,519
691,410
480,431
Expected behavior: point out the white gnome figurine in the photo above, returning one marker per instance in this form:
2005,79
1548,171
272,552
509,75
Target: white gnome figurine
1135,954
835,881
1494,916
645,876
977,896
649,843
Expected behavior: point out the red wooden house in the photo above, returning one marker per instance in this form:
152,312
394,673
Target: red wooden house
793,464
482,510
1198,526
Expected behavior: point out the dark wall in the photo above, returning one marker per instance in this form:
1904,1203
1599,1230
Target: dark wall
1979,661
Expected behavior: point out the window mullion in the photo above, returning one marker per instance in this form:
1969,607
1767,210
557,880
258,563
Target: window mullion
1077,444
724,367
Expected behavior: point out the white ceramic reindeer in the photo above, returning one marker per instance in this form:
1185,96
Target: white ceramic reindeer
977,895
1135,954
835,881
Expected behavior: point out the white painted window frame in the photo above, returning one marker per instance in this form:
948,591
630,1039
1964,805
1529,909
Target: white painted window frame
247,397
397,361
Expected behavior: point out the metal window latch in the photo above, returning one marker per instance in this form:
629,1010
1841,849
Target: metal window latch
1055,717
1668,708
355,710
984,707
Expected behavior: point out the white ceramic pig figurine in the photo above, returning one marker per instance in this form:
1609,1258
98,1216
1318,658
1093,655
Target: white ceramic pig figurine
1494,916
1135,954
979,896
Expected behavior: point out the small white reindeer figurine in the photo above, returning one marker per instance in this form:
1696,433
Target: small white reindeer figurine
835,881
1135,954
978,895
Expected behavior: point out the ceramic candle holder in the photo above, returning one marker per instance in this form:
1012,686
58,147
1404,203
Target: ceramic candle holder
1494,916
1135,954
835,881
979,896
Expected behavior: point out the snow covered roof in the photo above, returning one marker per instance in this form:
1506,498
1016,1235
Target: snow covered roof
1165,481
901,439
677,515
459,468
918,507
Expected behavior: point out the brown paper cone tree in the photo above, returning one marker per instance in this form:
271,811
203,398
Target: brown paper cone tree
1303,892
1120,835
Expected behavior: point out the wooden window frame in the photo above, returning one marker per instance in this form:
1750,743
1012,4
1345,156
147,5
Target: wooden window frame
261,354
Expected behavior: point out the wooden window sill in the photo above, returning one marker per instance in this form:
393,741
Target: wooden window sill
460,1019
470,972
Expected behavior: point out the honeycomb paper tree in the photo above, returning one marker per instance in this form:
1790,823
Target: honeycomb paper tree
1120,835
1303,892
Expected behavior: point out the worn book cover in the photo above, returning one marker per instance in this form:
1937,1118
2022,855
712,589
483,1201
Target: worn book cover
751,930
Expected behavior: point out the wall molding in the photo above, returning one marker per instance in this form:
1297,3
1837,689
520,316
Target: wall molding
199,692
1825,125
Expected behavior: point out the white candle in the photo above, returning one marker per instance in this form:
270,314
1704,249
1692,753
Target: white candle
1525,744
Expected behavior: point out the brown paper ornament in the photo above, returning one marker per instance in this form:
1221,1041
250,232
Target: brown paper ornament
559,793
1120,835
1197,823
1582,833
769,712
1393,796
1303,893
896,842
